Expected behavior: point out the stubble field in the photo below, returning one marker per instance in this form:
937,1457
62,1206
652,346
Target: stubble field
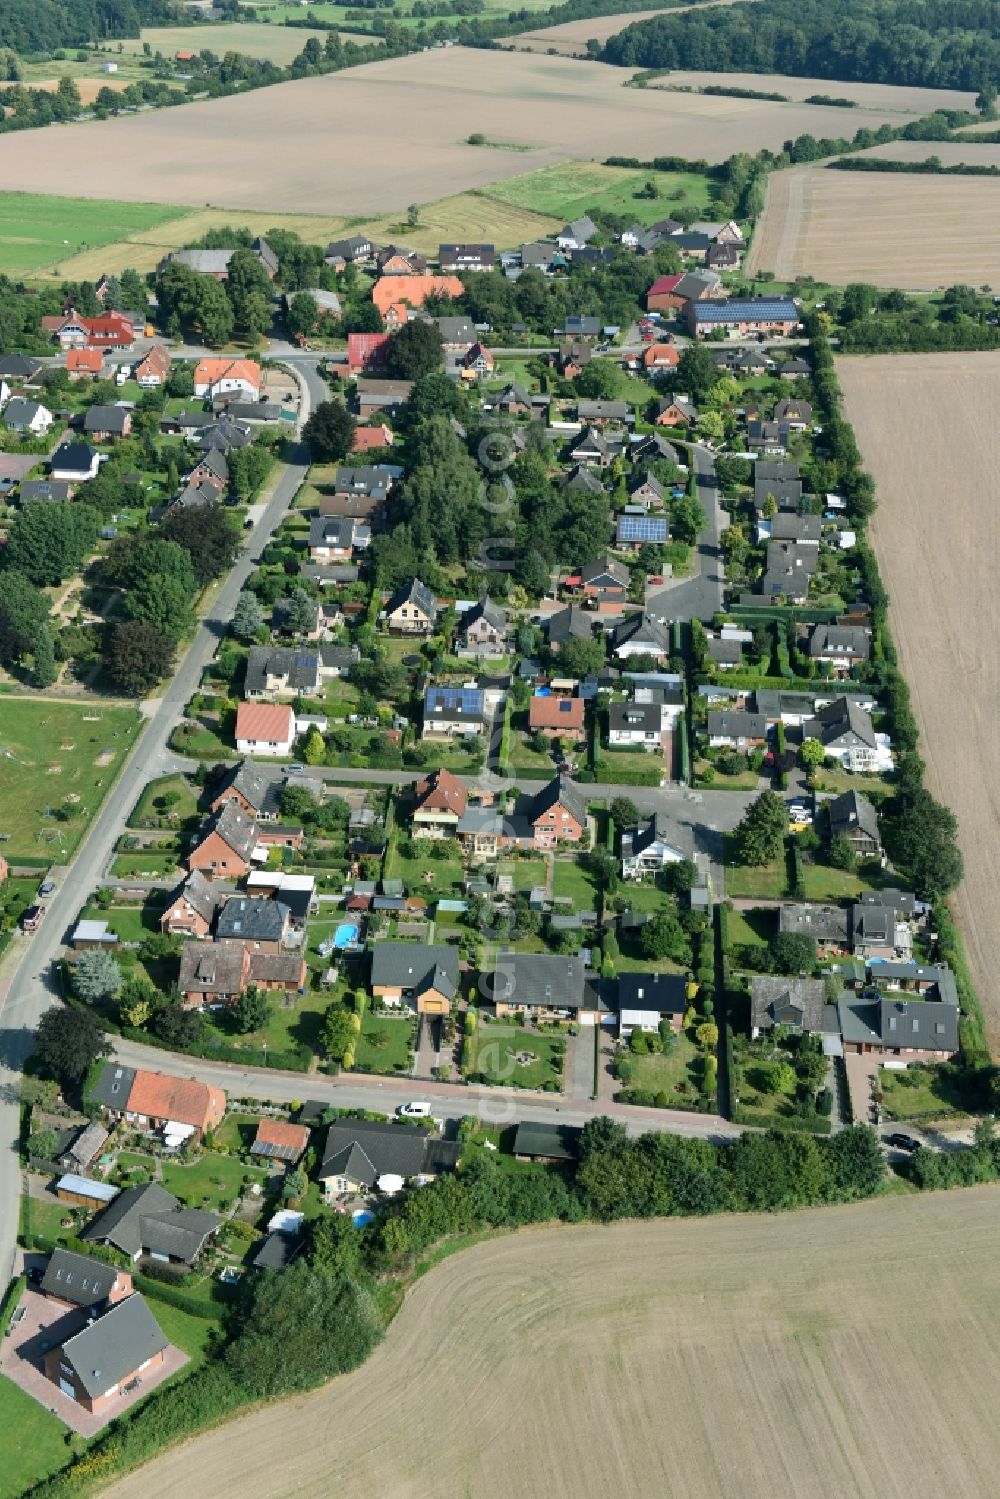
926,425
838,1353
918,233
372,140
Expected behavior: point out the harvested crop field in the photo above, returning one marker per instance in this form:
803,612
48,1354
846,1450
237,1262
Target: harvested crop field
849,226
371,140
951,153
925,424
282,44
571,37
663,1358
881,96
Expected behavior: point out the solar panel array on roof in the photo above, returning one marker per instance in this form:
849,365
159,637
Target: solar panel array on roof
642,528
466,699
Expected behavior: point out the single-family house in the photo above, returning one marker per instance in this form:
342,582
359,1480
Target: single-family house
453,712
798,1003
366,352
723,257
152,1101
556,717
794,413
675,411
788,570
634,725
85,363
78,1280
482,629
439,803
96,1364
395,293
847,734
660,356
544,986
351,251
596,447
578,233
153,368
635,528
412,609
148,1220
467,258
74,463
552,1143
557,814
477,363
43,489
265,729
255,921
920,1030
605,580
332,537
843,646
652,845
191,910
853,817
640,635
642,1001
736,729
778,481
362,1153
829,926
371,439
770,438
394,260
224,846
21,415
571,357
571,623
422,977
105,423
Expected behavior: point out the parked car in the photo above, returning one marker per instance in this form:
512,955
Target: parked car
903,1142
46,887
416,1110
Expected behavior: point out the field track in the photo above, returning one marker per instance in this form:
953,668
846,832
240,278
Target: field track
926,427
838,1353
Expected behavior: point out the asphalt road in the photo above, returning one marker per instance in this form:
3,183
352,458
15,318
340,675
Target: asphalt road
700,596
451,1101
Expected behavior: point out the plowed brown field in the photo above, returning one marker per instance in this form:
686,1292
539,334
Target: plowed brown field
926,425
893,229
840,1353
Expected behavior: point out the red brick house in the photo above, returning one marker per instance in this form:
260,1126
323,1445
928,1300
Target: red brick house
660,356
439,804
83,362
153,368
93,1366
557,814
661,295
366,352
191,910
225,844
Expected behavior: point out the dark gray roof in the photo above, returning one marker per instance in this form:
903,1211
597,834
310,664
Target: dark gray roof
852,810
661,993
618,411
114,1085
277,1251
570,623
841,721
908,1024
106,419
416,593
251,919
42,489
484,609
824,923
371,480
657,829
331,530
212,967
416,966
78,1278
261,789
556,1142
788,526
796,1002
840,640
19,411
299,663
215,462
107,1351
736,724
903,902
641,630
625,716
19,367
559,789
606,572
542,979
640,479
224,433
237,827
198,892
120,1223
73,457
364,1150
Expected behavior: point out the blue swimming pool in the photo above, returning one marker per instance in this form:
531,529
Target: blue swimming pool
346,934
362,1217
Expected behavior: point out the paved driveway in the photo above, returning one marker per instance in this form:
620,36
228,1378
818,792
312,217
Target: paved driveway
46,1323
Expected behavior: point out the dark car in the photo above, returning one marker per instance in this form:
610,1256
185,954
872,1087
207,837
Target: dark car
903,1142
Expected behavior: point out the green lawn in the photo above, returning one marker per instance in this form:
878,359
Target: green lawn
39,231
748,928
209,1181
58,757
144,864
671,1073
497,1050
44,1218
577,187
640,896
191,1334
384,1043
132,923
185,807
33,1441
527,873
823,882
237,1131
921,1093
573,881
446,876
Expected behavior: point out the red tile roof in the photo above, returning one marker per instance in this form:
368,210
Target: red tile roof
85,359
664,284
413,290
556,713
371,437
278,1132
267,721
180,1098
441,792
